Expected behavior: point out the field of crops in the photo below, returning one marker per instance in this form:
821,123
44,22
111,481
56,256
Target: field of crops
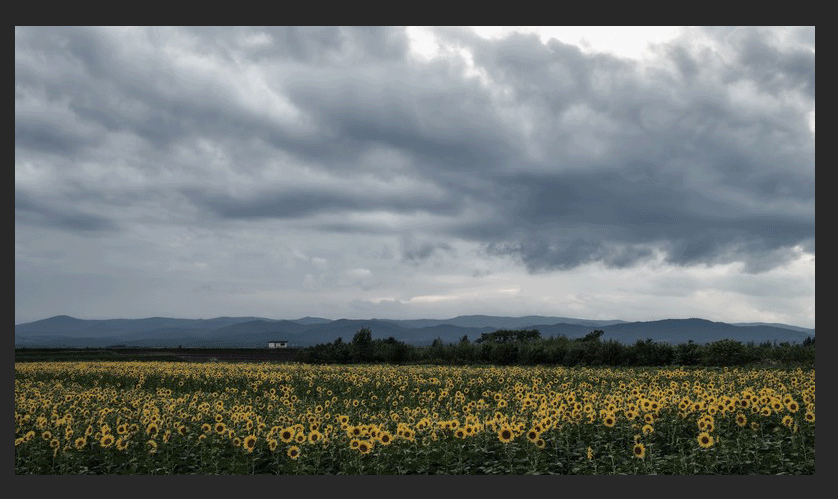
217,418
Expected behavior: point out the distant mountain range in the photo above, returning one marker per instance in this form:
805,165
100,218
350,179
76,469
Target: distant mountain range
255,332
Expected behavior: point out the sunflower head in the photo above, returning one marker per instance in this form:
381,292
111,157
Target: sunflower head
249,443
505,435
364,447
639,450
107,440
705,440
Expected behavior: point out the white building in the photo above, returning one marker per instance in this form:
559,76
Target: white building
278,344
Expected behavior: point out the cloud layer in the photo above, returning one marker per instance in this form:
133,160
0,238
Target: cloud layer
159,144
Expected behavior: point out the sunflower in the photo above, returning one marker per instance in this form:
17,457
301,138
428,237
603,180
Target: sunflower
788,420
220,428
609,420
286,435
121,444
385,438
705,440
365,446
639,450
293,452
315,436
107,440
590,453
152,446
741,420
272,444
80,442
809,417
249,443
533,435
152,430
505,435
648,429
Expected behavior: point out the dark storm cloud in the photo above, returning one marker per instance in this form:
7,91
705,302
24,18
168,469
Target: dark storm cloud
300,203
37,133
564,158
415,252
30,210
428,112
775,69
685,169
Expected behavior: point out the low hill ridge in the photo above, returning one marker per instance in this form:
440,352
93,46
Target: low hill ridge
64,330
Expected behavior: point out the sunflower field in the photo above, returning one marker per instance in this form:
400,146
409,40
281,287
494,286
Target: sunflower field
215,418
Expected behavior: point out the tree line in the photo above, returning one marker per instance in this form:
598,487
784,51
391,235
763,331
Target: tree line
527,347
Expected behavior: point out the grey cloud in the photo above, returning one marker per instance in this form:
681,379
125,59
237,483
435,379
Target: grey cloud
685,171
625,163
429,113
544,254
562,221
416,252
43,135
776,69
316,45
31,210
302,202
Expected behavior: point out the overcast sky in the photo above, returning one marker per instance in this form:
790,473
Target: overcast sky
636,173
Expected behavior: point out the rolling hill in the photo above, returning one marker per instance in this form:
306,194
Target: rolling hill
66,331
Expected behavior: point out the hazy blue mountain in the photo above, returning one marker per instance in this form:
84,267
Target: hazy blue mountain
281,328
699,330
312,320
498,322
256,332
775,324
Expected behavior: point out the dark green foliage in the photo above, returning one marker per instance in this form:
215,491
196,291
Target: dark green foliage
726,353
507,336
504,347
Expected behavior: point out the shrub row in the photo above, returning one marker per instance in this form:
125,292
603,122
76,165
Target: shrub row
527,348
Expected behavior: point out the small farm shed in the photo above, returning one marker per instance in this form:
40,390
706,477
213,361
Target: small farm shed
278,344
